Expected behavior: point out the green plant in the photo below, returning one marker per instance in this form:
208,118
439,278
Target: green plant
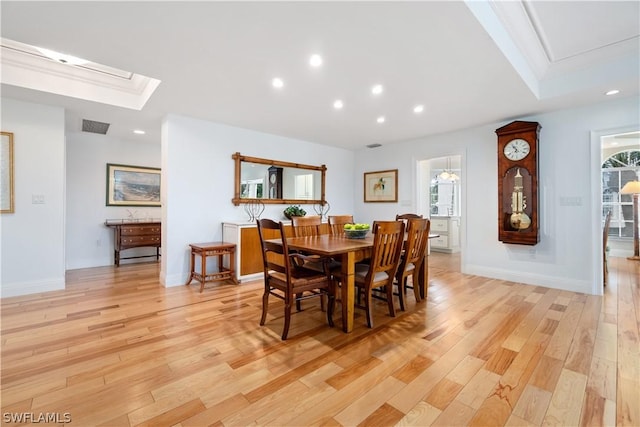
295,210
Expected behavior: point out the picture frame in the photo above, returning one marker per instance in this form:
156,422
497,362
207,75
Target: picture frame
6,173
381,186
129,185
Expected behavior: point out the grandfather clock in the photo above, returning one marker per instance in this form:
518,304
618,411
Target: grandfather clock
275,182
518,183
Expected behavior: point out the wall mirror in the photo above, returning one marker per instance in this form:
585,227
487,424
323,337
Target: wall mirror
274,181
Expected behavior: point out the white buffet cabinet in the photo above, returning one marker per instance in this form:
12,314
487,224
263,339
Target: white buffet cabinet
448,229
249,264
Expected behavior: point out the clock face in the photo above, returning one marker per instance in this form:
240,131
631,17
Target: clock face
516,149
273,178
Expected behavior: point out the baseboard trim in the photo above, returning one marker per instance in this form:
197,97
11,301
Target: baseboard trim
583,286
34,287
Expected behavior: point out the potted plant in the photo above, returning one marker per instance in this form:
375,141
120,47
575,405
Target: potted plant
294,210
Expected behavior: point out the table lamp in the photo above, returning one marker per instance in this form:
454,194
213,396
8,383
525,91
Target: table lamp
633,187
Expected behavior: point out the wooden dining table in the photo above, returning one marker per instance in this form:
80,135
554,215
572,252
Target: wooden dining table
349,252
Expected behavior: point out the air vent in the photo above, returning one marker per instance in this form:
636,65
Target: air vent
374,145
95,127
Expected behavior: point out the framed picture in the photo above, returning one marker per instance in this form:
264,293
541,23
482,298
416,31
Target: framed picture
6,172
381,186
132,185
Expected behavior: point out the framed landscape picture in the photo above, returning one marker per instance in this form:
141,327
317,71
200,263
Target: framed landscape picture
381,186
6,172
132,185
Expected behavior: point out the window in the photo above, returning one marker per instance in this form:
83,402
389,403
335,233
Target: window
617,170
304,186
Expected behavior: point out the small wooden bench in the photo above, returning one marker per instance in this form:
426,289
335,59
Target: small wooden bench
204,250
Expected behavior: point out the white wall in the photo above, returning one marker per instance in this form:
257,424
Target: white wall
197,182
89,243
564,257
32,238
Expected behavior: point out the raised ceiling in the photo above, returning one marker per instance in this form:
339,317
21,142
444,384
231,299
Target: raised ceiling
467,63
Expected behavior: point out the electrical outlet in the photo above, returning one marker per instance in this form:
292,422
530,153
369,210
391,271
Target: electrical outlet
37,199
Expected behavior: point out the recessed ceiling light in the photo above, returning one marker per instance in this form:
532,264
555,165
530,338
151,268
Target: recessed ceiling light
315,60
139,132
613,92
380,119
418,109
277,83
338,104
377,89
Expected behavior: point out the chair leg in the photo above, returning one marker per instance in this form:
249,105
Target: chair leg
298,303
416,285
401,290
367,306
265,305
331,304
392,308
287,318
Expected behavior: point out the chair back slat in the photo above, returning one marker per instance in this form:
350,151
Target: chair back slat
408,216
337,222
306,225
274,256
387,246
417,240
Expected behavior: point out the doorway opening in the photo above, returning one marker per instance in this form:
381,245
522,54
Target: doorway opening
440,187
620,163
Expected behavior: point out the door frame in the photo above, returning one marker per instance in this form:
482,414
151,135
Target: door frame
596,201
422,191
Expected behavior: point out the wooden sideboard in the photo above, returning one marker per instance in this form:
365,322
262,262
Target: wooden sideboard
134,234
248,253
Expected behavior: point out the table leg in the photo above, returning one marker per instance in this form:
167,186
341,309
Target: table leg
203,269
232,266
423,277
193,256
348,290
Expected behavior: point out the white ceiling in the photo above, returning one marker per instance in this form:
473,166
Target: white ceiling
467,63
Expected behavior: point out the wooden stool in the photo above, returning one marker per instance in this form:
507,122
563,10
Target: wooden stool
211,249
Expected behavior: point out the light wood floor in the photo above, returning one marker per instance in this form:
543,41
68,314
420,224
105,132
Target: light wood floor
116,348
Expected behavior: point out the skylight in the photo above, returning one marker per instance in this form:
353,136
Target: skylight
45,70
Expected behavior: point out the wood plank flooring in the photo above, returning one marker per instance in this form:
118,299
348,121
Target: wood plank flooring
117,349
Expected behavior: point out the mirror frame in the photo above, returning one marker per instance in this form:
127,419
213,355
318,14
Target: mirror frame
238,158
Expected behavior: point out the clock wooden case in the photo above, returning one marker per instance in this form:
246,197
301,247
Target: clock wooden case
275,182
518,220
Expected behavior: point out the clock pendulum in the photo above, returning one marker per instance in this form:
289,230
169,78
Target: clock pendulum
519,219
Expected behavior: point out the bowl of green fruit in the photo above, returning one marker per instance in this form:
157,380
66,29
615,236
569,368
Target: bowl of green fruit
356,231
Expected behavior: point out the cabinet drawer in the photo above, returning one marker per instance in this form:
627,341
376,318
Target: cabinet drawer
440,242
140,230
133,241
439,225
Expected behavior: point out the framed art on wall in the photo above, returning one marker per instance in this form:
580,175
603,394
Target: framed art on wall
381,186
6,172
132,185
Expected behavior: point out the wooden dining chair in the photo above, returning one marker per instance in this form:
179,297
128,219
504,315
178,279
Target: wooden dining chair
388,238
412,258
306,225
286,279
406,216
605,243
337,222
